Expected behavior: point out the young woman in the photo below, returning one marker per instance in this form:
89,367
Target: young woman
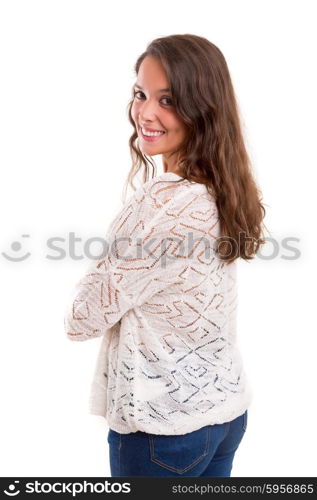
169,378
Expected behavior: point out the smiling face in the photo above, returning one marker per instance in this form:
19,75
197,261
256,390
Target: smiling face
153,109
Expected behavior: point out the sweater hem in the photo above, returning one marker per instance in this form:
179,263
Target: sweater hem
223,414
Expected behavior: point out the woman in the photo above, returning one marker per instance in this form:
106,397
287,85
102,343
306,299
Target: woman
169,378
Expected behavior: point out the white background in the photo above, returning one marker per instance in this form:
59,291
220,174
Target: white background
66,77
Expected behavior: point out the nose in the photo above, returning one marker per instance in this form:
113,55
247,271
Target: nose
147,111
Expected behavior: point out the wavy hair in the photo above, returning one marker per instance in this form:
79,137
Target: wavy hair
214,152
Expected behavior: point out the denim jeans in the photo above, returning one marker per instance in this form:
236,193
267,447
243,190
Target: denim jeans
206,452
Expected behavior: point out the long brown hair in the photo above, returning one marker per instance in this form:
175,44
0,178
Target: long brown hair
214,153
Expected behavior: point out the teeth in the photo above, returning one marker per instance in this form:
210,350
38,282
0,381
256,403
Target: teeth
152,134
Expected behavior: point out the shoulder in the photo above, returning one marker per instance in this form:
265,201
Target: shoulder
168,201
163,201
167,190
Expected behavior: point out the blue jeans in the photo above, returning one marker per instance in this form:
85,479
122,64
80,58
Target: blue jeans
206,452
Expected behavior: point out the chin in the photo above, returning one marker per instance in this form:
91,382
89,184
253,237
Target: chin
152,151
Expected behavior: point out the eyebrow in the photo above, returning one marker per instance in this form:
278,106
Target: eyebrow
161,90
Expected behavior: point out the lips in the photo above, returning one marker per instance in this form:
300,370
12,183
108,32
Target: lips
151,129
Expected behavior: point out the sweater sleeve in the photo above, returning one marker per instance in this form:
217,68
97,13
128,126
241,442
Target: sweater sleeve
142,260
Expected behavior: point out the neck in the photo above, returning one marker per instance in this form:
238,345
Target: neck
171,167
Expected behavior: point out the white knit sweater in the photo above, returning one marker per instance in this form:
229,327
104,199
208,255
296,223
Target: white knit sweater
166,307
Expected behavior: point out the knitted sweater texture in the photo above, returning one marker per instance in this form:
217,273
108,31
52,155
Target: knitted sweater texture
165,306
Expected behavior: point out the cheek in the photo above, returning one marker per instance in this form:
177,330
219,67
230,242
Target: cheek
134,112
182,130
174,124
179,131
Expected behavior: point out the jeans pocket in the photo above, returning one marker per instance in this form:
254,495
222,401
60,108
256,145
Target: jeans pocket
245,420
180,453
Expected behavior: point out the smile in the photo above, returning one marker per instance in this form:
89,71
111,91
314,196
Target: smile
151,136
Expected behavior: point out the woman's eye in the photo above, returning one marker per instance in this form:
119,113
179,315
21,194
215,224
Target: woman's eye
168,98
139,92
